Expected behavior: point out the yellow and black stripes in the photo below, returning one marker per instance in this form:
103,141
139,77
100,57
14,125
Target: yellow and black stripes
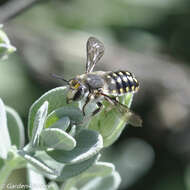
121,82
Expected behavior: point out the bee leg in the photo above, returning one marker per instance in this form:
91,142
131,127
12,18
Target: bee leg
100,106
87,101
114,100
117,98
87,118
132,118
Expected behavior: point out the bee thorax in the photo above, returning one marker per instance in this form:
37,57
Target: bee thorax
94,81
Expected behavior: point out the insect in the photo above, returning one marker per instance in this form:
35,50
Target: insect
99,85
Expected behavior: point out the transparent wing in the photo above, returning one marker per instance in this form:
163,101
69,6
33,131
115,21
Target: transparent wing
95,50
131,117
128,115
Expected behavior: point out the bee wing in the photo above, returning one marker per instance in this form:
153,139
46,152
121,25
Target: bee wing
132,118
95,50
128,115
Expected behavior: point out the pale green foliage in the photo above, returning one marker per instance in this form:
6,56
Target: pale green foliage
62,146
6,143
15,127
110,123
5,46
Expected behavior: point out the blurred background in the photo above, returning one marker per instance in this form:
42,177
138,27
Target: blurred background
149,38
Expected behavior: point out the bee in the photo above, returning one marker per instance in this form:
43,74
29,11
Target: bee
102,85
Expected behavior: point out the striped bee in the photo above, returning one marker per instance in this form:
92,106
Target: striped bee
99,85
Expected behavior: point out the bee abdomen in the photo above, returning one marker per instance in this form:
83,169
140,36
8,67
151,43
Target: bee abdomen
121,82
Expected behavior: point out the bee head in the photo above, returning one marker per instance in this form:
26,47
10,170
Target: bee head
76,91
76,88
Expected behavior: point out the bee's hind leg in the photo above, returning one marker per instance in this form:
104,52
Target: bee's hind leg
114,101
132,118
100,106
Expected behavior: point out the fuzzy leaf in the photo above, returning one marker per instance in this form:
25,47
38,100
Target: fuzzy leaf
35,180
4,133
39,164
5,46
15,127
69,171
56,98
89,143
39,123
50,162
110,123
52,186
99,169
72,112
62,123
110,182
57,139
73,130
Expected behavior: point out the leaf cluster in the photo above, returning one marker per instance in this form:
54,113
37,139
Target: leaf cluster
63,146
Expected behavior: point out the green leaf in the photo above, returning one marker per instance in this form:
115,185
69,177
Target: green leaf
135,159
57,139
5,46
69,171
3,51
35,179
50,162
3,37
62,123
89,143
39,164
70,111
1,162
39,124
110,182
110,123
73,131
52,186
15,127
56,98
4,133
14,159
99,169
12,162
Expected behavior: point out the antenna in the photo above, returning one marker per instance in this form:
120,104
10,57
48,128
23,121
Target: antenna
59,77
